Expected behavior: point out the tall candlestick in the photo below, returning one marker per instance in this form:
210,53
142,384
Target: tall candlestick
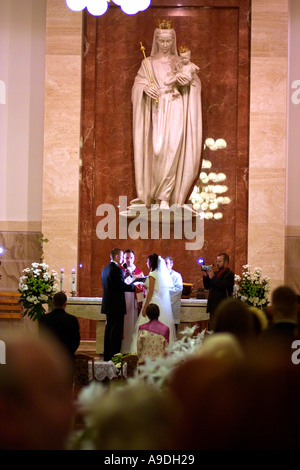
62,278
73,280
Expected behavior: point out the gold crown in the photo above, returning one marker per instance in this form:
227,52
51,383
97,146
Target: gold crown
164,24
183,49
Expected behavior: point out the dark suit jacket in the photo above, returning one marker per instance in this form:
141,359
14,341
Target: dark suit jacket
114,288
284,330
63,326
219,289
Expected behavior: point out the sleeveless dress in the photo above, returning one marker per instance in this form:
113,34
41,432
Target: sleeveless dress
160,297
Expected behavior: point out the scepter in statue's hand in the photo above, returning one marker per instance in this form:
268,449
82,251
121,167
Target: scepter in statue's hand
150,76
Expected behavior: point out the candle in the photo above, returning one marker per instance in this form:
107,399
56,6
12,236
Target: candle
73,280
62,276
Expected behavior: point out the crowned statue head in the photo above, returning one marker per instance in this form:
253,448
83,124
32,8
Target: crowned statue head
164,28
185,53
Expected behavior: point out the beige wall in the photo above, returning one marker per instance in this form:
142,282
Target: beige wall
268,117
292,261
22,78
22,70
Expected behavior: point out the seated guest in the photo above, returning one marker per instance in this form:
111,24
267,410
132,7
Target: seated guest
233,316
284,326
222,346
153,337
258,396
62,325
36,401
260,320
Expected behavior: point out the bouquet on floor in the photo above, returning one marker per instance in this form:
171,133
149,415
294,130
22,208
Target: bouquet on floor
253,289
37,286
117,361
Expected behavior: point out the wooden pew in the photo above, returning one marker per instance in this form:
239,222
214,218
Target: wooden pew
9,306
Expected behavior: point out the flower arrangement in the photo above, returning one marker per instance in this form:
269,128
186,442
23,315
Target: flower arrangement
37,286
252,288
117,361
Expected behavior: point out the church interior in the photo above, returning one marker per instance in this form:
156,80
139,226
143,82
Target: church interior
68,168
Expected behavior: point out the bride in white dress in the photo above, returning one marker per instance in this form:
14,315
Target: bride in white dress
158,285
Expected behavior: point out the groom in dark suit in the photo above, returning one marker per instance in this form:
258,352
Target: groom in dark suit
113,303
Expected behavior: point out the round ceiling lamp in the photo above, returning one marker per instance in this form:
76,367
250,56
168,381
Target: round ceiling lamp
99,7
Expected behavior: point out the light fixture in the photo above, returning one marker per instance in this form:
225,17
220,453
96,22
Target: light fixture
206,195
99,7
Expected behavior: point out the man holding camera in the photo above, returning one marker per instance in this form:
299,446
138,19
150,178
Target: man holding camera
219,283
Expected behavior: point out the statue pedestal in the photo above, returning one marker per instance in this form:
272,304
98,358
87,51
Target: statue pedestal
154,213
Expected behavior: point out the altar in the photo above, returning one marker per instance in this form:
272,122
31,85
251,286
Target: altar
193,311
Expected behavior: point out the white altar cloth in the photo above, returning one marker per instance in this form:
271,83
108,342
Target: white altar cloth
103,370
192,310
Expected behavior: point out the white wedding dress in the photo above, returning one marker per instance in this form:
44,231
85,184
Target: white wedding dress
160,297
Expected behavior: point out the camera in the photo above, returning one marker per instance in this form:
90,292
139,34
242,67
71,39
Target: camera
205,267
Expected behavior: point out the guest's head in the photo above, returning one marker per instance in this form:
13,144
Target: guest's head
284,304
36,403
152,311
152,261
258,396
260,320
221,346
60,300
222,260
233,316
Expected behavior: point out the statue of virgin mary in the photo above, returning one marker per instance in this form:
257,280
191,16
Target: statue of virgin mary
167,125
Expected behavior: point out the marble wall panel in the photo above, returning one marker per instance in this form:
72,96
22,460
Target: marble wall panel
292,261
270,74
268,117
62,138
267,244
268,141
63,29
267,204
20,250
269,28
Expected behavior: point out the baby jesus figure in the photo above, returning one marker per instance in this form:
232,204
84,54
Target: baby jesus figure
184,67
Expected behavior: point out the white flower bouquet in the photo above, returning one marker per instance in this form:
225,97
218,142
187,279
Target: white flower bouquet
117,361
253,289
37,286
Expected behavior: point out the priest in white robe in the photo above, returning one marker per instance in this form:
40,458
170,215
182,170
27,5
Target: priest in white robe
176,291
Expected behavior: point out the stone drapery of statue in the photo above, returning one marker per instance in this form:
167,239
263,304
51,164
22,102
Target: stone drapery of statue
167,125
